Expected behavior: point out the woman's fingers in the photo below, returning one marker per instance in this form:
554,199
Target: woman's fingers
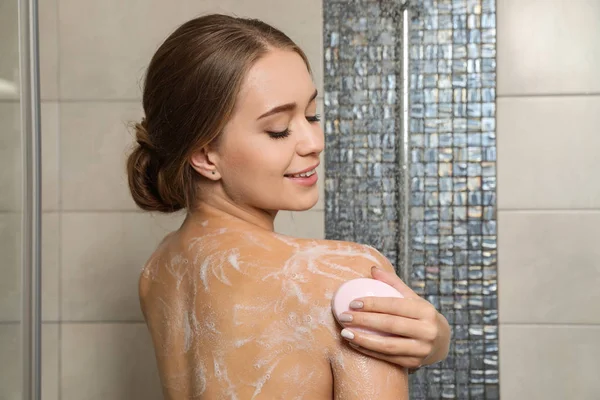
393,280
408,307
400,326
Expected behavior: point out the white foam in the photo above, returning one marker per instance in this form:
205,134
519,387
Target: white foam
276,331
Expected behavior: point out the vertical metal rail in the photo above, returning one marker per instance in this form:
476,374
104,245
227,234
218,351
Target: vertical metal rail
32,198
404,156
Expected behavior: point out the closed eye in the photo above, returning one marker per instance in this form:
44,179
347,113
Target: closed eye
285,133
314,118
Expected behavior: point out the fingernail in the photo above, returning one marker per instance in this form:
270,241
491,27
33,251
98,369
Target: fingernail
374,267
346,318
356,304
347,334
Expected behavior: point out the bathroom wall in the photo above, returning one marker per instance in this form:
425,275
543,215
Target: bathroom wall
548,198
93,55
545,122
451,171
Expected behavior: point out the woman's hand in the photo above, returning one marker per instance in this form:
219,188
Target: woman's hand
422,333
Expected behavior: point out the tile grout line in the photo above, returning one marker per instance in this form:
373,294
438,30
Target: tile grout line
551,324
548,95
548,210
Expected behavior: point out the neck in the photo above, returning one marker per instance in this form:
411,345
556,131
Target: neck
234,213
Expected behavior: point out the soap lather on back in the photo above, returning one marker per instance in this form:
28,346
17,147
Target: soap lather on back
238,314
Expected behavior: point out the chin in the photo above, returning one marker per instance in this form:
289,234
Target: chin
303,204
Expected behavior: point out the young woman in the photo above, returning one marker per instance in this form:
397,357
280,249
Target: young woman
235,310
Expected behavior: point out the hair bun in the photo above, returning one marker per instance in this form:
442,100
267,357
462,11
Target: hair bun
144,173
142,137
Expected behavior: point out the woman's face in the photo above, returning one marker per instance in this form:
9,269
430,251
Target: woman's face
273,136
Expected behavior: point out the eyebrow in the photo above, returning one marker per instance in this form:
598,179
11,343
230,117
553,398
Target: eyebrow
286,107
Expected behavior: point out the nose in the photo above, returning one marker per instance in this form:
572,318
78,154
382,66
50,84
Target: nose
311,139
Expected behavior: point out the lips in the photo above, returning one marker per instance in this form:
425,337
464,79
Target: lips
303,174
304,171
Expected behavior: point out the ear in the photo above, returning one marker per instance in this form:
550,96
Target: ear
204,162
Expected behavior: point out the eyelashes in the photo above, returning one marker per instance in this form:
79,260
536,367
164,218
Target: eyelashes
285,133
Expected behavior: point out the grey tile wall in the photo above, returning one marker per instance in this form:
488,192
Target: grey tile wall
452,165
361,123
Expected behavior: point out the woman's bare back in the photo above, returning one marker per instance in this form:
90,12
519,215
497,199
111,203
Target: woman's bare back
242,313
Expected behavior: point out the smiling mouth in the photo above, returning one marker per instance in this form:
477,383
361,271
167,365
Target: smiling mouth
302,175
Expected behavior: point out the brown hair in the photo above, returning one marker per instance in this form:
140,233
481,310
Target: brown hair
189,94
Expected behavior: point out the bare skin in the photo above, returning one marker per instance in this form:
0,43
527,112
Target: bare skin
237,311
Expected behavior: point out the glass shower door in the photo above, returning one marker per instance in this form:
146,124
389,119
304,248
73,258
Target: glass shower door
11,203
19,201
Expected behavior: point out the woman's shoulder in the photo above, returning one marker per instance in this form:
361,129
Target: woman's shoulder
332,262
338,249
265,244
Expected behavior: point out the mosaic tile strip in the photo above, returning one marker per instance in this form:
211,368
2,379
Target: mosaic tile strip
361,123
453,189
452,177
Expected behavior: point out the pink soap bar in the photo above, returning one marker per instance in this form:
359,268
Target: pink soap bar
361,287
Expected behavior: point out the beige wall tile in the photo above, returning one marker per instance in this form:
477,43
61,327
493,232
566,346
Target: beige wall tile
10,372
549,362
108,361
548,152
104,54
303,224
94,144
548,46
50,361
50,160
102,257
50,271
10,368
11,156
48,31
548,267
11,268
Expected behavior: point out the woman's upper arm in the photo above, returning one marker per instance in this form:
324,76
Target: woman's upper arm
359,377
355,375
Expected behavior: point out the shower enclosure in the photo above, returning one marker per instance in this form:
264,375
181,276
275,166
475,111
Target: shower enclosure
409,118
20,201
411,164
